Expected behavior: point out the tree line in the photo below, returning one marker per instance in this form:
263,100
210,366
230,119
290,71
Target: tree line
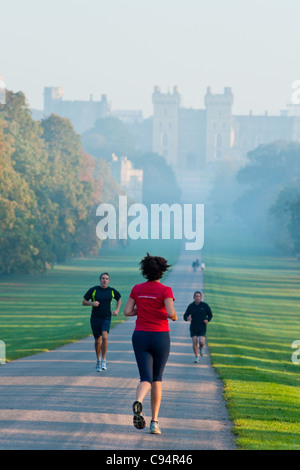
52,180
272,178
263,192
48,190
111,135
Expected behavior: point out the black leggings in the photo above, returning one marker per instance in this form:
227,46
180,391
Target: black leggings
151,349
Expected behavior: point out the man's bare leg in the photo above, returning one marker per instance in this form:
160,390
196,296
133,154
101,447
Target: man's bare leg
195,345
104,344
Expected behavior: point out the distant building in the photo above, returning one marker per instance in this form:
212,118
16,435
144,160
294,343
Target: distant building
190,138
82,114
131,179
219,125
166,124
128,116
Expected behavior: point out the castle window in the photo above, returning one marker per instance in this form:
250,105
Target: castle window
219,146
165,140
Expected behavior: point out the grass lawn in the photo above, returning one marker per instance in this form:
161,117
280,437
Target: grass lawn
255,298
43,312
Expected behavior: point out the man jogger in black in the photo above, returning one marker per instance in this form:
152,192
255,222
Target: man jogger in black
199,314
100,299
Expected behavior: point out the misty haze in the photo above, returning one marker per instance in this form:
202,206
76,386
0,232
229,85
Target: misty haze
150,150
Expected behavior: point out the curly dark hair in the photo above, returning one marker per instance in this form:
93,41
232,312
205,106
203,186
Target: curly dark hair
153,267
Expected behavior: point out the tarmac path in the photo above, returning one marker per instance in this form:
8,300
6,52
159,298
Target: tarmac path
57,401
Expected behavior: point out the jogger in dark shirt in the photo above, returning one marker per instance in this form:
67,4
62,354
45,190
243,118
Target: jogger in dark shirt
199,314
100,299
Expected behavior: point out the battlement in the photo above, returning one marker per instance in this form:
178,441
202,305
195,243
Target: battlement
159,98
53,93
219,99
83,114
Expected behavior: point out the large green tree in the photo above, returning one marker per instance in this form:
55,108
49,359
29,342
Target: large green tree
285,218
22,247
48,190
28,159
108,136
70,190
159,180
111,136
269,169
224,191
294,224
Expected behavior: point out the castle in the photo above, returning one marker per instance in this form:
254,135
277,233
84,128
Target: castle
190,138
82,114
187,138
131,179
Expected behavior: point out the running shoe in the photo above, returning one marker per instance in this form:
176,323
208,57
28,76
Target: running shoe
138,418
196,360
103,364
98,366
201,352
154,428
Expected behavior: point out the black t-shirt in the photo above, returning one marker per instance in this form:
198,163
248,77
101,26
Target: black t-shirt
104,297
199,313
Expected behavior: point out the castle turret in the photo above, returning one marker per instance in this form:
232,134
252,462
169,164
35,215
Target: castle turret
219,128
52,98
165,124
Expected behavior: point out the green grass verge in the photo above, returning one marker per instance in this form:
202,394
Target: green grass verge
40,313
255,298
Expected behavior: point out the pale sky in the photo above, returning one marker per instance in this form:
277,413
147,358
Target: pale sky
123,48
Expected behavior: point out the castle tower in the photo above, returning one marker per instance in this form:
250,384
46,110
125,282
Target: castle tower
52,98
219,126
165,124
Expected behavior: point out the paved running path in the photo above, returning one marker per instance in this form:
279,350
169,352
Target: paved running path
57,401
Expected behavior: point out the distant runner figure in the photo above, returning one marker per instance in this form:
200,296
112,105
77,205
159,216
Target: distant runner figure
199,314
152,302
100,298
195,265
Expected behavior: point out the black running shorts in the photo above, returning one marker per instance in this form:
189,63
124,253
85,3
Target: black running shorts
199,331
98,325
151,350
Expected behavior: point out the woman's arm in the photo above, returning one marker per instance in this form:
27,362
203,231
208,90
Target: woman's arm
130,310
169,304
